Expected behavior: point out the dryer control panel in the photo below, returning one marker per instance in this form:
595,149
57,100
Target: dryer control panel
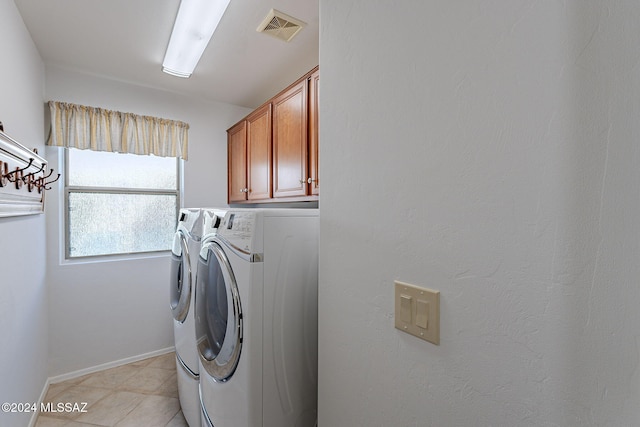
237,228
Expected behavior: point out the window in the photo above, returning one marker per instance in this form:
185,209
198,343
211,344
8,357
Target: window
119,203
122,179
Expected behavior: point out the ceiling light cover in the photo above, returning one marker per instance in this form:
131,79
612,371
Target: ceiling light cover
280,25
195,24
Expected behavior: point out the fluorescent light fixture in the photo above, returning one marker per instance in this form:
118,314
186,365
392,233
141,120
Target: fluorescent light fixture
195,24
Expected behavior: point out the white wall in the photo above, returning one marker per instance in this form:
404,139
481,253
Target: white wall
488,150
23,295
107,311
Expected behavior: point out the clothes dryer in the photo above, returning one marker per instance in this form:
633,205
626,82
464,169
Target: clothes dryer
185,249
256,319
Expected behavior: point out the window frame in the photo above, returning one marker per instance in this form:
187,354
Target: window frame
115,190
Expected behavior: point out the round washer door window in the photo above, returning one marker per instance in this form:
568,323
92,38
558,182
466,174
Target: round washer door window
180,285
218,314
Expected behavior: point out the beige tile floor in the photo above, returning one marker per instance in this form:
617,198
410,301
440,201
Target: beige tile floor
140,394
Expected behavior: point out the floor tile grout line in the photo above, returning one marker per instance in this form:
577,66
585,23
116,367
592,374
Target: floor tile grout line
112,385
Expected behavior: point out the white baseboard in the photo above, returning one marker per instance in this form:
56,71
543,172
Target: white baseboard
91,370
34,416
108,365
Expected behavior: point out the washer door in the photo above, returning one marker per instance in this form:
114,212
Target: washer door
180,286
218,313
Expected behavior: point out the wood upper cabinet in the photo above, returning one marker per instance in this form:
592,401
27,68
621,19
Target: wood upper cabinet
259,153
237,162
273,152
249,157
314,98
290,135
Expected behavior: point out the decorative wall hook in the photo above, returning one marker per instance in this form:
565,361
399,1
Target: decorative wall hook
30,175
41,183
47,176
28,179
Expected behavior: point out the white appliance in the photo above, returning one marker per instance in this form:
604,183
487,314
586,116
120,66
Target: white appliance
185,250
256,319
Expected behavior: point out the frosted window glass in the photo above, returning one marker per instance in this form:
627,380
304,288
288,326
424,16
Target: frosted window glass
105,223
101,169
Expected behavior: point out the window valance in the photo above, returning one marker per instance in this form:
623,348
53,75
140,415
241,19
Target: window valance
91,128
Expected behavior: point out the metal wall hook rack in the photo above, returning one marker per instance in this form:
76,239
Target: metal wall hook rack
24,179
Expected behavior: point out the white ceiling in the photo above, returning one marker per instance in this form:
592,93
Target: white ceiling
126,40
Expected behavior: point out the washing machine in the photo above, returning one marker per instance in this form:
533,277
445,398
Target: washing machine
184,261
256,319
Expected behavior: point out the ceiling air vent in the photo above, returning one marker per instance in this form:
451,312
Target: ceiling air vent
280,25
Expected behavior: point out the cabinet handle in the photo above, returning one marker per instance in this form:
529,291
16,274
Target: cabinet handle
309,180
244,190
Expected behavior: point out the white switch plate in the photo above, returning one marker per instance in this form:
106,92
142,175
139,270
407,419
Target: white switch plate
417,311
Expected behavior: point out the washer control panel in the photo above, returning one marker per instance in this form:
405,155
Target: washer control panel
211,221
237,228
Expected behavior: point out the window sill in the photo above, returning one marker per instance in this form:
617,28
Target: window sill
115,258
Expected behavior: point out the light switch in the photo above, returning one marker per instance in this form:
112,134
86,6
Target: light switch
405,308
422,314
417,311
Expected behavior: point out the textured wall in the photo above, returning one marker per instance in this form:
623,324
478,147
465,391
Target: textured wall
488,150
23,295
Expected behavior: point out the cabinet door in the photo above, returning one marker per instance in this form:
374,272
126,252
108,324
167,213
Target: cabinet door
290,142
259,153
314,98
237,162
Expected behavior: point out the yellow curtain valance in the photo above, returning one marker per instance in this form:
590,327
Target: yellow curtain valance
91,128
